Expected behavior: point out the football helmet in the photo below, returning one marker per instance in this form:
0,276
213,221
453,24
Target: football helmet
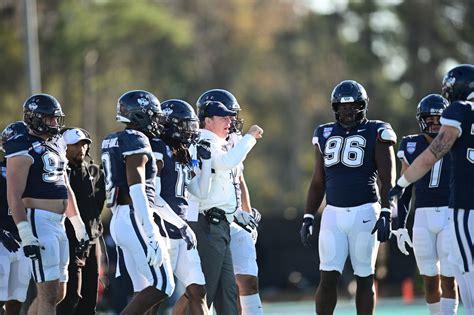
458,83
180,122
39,111
13,130
349,91
226,98
140,110
430,105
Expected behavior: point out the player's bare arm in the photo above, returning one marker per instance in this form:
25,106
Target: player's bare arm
444,141
385,160
245,195
437,149
136,168
317,187
17,175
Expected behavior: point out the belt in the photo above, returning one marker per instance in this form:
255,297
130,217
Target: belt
215,215
123,199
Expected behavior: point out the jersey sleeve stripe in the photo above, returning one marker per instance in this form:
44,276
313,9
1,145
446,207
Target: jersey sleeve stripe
139,151
158,156
453,123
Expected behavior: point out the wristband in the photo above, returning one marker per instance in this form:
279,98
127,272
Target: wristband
308,215
403,182
24,229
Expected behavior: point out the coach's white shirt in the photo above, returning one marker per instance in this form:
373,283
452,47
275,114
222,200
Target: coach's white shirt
225,160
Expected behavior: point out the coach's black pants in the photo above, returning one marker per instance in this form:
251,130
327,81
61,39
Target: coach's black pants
81,291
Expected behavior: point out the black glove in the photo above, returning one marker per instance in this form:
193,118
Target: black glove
82,248
9,241
383,226
203,149
396,192
307,229
32,251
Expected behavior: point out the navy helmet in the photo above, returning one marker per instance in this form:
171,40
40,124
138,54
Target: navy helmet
37,109
140,110
349,91
430,105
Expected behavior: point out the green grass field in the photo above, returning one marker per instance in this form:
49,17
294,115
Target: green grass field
345,307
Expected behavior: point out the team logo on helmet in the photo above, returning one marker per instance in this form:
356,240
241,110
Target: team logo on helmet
449,81
411,147
167,111
143,101
32,106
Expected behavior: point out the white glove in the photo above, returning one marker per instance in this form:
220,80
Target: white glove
31,245
244,218
153,251
188,235
256,215
79,228
402,238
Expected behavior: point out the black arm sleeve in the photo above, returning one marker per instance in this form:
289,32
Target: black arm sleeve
403,206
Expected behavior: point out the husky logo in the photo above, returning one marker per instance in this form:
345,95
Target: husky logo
327,132
449,81
7,134
32,106
472,129
411,147
143,101
167,111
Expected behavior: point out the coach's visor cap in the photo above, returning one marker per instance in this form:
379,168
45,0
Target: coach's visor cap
74,135
214,108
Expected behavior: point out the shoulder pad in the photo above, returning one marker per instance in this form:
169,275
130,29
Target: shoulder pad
387,135
158,148
385,132
17,146
133,142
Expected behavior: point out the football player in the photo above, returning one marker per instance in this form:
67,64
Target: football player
177,174
15,270
242,237
456,135
431,239
37,181
130,172
349,156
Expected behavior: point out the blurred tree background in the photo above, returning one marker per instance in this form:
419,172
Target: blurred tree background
281,58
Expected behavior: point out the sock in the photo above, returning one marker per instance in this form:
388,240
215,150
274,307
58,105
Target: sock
435,308
251,304
449,306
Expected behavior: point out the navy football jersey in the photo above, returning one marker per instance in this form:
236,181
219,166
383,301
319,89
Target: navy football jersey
115,149
46,174
432,190
349,161
174,178
6,219
460,114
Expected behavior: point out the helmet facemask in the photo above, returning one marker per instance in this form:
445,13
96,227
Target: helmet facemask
352,116
428,126
147,121
40,123
185,131
237,124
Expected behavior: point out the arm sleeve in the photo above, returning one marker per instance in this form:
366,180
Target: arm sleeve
227,160
403,206
200,185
